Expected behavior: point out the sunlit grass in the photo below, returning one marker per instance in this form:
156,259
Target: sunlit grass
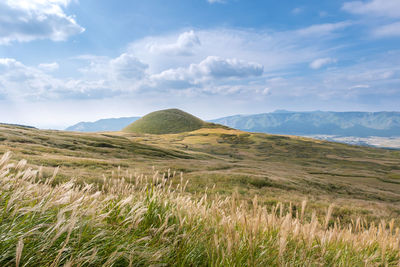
137,220
276,168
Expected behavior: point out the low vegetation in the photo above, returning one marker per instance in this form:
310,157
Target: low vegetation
138,220
362,181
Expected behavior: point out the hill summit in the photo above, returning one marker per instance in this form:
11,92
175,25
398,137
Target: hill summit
166,122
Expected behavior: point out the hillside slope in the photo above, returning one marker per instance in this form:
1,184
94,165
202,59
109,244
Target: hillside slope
362,181
133,221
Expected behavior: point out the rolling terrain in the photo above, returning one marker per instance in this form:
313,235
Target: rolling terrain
360,180
375,129
159,193
134,220
340,124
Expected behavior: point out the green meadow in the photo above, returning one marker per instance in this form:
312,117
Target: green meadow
209,197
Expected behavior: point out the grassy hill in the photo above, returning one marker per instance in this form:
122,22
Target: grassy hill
166,122
362,181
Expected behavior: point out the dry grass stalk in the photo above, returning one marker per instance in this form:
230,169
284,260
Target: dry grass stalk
20,247
328,215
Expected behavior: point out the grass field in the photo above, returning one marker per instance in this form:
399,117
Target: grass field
361,181
133,220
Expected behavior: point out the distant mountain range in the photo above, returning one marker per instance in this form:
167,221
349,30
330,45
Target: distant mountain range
357,124
104,125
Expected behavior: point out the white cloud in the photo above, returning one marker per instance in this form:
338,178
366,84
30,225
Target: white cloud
323,14
180,61
274,50
123,73
184,45
388,30
210,69
20,81
297,10
358,86
382,8
49,66
128,67
23,21
215,1
265,91
374,73
6,63
218,68
379,16
377,77
101,78
248,62
324,29
320,62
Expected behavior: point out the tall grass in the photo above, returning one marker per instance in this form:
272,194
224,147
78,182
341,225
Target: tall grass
133,220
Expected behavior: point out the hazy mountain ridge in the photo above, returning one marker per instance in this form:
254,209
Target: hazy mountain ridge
103,125
360,124
356,124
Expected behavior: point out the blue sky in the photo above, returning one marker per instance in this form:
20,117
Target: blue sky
65,61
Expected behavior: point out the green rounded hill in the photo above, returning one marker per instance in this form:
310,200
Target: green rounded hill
166,122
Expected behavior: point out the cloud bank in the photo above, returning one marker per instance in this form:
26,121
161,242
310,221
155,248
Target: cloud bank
382,8
382,16
25,21
248,67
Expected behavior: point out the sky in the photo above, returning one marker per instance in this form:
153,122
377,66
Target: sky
66,61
